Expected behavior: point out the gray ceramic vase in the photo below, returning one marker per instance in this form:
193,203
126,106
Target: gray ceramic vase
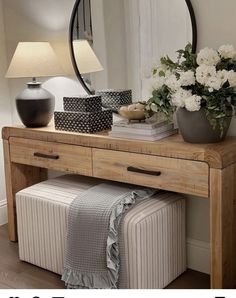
195,127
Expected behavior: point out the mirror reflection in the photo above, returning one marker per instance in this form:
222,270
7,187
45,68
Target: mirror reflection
117,42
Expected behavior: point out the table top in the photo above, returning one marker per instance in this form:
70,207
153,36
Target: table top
219,155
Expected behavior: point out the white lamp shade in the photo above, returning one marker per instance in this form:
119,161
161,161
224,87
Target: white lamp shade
34,59
87,61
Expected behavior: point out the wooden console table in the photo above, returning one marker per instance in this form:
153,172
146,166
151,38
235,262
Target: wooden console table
207,171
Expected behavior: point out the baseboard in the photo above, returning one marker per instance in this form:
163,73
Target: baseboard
3,212
198,255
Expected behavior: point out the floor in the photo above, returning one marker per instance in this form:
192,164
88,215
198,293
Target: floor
15,274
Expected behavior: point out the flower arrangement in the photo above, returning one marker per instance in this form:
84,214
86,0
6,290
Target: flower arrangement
205,80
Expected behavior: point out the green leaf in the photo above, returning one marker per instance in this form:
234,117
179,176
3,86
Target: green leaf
162,73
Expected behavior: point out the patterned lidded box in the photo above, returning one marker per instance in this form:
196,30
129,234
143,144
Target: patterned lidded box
114,99
86,103
83,122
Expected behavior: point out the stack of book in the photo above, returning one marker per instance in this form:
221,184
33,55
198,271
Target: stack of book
142,131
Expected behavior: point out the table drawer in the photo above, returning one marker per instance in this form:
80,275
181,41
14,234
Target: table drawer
178,175
61,157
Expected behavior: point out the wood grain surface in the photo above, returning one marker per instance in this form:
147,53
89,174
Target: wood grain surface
178,175
216,155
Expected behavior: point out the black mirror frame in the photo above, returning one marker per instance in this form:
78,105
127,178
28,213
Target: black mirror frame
72,54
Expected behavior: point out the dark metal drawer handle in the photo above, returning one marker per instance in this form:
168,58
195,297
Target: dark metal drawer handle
46,156
146,172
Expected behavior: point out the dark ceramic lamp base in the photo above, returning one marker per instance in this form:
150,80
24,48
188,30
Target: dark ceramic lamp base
35,105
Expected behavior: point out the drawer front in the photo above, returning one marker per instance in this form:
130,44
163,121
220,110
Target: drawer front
178,175
61,157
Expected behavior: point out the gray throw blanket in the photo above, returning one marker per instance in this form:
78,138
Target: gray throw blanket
92,252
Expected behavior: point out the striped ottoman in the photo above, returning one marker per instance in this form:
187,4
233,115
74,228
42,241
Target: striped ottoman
152,234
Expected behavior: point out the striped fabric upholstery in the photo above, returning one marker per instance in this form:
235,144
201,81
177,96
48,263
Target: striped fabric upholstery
152,234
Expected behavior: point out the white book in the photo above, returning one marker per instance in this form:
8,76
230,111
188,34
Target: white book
141,131
139,125
143,137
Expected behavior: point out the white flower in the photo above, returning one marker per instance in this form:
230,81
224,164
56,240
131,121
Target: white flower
193,103
172,83
168,73
218,79
157,82
161,69
223,76
178,98
227,51
232,78
204,72
214,82
209,77
187,78
208,57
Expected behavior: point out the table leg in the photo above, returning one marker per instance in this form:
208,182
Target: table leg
18,177
222,227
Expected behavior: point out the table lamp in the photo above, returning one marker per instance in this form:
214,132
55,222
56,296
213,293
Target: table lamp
87,61
35,105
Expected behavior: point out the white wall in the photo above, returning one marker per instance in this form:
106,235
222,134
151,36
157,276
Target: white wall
154,28
41,20
131,36
100,79
115,40
5,113
216,26
216,22
109,43
25,20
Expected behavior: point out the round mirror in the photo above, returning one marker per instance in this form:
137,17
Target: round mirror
115,43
